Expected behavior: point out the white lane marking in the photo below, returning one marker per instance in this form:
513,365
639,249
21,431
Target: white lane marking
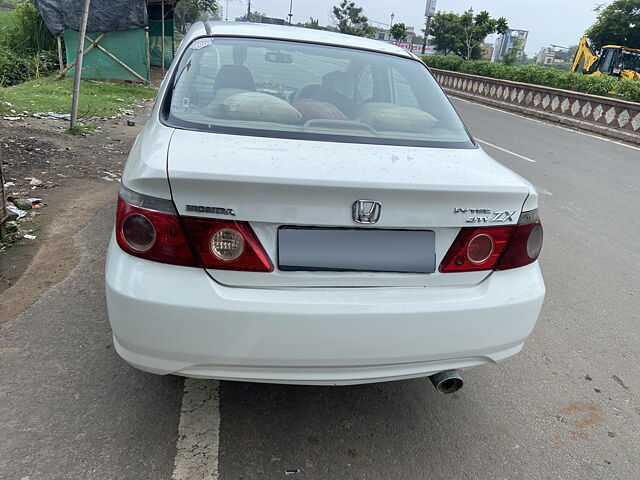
506,151
198,432
548,123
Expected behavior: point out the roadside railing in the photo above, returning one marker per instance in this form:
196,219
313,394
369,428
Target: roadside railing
603,115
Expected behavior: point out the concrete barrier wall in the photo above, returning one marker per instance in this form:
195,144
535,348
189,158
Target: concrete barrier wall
603,115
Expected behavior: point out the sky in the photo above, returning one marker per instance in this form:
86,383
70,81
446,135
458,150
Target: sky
559,22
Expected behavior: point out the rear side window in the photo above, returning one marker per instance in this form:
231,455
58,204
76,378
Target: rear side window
299,90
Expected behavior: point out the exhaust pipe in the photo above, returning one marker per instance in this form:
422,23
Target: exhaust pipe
448,381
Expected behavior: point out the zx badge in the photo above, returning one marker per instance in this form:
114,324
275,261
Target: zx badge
488,217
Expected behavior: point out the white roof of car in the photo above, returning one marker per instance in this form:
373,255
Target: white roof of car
285,32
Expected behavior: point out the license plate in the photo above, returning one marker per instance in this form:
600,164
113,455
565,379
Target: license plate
356,250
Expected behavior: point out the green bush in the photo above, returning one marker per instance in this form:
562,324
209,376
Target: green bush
538,75
14,69
28,34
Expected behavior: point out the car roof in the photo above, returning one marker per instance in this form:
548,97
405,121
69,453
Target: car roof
286,32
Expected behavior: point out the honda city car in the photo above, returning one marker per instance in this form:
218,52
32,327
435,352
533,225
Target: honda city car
306,207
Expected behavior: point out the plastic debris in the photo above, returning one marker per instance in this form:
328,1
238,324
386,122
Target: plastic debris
113,175
37,202
9,184
35,181
21,203
16,210
28,236
131,123
292,472
106,179
62,175
64,116
12,119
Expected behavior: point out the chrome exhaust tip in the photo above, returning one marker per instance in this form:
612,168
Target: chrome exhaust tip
447,382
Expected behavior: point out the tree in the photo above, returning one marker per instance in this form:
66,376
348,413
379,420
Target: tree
616,24
398,31
447,33
464,34
189,11
350,20
313,23
511,57
256,16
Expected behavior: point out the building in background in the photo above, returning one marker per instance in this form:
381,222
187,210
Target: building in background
487,51
508,41
550,56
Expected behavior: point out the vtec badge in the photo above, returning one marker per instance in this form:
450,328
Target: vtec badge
486,215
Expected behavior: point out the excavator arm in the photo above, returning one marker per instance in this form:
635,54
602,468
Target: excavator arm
585,58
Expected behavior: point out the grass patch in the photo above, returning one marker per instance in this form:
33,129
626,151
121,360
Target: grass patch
6,17
97,99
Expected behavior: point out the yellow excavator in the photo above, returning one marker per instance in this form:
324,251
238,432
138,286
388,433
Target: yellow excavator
623,62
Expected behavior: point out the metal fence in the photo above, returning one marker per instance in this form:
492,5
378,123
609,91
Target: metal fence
604,115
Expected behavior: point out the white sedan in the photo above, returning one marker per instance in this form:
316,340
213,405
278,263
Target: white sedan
306,207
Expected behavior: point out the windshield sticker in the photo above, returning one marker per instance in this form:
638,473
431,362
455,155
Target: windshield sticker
197,45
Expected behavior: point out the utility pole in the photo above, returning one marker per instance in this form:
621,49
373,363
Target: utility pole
290,11
249,11
391,26
429,12
426,34
79,54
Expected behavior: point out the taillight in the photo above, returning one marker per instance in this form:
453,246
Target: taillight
227,245
149,227
152,235
495,248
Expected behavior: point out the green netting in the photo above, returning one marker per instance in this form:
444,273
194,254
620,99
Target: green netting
129,46
155,42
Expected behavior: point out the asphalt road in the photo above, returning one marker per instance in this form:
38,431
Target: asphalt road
567,407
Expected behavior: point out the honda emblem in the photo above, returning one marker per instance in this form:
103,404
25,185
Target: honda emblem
366,211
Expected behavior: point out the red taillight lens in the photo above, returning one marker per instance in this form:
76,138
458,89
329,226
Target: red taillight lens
227,245
524,248
152,235
495,248
469,251
160,236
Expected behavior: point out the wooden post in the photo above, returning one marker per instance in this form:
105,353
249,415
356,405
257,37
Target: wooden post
60,59
162,12
79,54
146,39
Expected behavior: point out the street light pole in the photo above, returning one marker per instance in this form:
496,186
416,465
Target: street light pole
290,11
249,11
390,26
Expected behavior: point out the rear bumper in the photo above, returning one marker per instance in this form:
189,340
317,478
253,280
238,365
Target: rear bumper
169,319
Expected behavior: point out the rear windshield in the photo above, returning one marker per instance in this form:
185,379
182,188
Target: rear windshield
299,90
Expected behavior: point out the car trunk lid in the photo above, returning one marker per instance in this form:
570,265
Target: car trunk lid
275,183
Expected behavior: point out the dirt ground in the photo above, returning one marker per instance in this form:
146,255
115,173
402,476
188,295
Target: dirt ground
77,174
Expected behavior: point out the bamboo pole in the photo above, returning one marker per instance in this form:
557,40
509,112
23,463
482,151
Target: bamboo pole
162,12
60,59
146,39
79,54
119,62
89,48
